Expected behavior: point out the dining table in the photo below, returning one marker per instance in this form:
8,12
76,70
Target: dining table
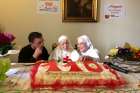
20,82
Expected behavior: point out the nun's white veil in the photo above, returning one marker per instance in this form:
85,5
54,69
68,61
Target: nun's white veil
62,39
85,39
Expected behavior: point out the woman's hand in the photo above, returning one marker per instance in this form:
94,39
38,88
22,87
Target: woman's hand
85,58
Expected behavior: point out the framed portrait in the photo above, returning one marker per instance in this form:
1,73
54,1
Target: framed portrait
80,10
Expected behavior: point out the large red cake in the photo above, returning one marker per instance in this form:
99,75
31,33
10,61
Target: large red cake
74,75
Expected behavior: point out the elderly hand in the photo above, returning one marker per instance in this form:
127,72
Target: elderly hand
85,58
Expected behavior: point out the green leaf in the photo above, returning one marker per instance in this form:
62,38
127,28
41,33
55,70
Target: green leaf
4,67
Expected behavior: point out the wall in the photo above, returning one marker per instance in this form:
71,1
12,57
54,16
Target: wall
20,17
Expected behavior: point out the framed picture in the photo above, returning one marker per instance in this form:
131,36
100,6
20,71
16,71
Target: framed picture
80,10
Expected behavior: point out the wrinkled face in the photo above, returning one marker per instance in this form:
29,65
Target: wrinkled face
82,47
38,42
64,45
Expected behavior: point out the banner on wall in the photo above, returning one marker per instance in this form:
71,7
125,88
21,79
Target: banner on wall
114,11
48,6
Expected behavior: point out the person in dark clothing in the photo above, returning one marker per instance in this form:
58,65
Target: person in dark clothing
79,8
74,8
35,50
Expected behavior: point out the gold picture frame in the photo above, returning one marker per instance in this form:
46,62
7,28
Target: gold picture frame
88,10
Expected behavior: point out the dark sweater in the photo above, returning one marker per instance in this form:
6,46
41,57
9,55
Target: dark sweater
26,55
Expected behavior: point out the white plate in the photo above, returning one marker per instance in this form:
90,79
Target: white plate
3,55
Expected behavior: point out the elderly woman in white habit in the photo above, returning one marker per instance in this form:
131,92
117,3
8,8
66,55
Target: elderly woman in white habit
86,49
63,50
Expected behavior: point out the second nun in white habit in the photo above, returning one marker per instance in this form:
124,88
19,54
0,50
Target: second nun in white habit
86,49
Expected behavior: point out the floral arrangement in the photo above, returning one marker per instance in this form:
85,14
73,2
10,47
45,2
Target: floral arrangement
127,52
6,40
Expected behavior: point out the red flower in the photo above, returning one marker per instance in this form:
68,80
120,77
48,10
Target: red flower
6,38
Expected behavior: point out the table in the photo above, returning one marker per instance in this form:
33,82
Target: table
20,83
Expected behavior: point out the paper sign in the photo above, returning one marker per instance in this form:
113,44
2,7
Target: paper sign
114,11
48,6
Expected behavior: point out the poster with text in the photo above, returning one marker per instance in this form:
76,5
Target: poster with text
48,6
114,11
